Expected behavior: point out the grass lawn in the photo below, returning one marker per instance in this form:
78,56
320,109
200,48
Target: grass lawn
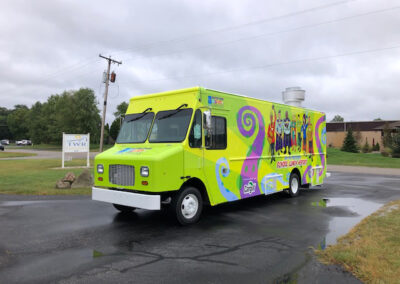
337,157
371,251
37,177
5,154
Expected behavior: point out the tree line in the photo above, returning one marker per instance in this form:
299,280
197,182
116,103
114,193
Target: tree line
69,112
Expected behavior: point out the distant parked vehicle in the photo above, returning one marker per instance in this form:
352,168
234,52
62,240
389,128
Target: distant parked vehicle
5,142
23,142
1,147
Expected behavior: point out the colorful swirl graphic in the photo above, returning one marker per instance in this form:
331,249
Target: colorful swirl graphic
222,169
306,172
318,141
246,122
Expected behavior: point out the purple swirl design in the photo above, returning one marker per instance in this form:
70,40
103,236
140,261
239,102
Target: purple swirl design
306,172
246,122
318,142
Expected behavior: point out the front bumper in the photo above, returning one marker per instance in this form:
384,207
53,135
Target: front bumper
132,199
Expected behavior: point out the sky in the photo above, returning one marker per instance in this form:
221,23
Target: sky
344,54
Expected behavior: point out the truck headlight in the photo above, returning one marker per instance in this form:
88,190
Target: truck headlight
144,171
100,169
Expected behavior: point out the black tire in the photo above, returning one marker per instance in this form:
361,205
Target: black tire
123,208
294,185
189,196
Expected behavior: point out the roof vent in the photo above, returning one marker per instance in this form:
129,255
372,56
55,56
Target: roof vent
293,96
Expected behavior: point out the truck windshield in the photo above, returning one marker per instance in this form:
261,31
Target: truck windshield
135,128
171,125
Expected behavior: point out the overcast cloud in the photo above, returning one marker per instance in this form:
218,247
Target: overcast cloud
47,47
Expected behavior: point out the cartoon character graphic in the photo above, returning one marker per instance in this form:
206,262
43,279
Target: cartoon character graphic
286,131
299,133
304,132
271,133
310,148
293,133
278,131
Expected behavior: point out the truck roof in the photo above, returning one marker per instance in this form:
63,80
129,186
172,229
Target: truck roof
205,90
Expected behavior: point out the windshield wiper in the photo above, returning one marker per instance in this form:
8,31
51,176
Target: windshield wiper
173,113
143,114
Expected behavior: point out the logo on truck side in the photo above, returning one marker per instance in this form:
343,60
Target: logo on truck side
132,150
249,188
215,101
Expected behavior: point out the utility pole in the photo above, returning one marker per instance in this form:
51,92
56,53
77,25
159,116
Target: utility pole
109,61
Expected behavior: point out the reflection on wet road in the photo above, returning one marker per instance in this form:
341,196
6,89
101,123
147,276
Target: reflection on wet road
260,240
346,212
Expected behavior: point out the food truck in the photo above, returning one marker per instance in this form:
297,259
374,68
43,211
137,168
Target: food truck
193,147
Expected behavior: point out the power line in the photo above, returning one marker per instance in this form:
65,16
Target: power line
89,61
270,33
225,29
303,60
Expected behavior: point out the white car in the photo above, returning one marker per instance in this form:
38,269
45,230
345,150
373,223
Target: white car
5,142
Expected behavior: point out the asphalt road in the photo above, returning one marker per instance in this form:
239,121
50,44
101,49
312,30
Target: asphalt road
261,240
43,154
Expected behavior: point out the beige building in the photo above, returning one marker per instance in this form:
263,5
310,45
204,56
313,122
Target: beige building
370,131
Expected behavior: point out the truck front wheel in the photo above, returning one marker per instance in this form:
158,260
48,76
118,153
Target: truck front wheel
187,205
294,185
123,208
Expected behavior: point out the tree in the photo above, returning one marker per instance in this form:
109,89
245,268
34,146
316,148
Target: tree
337,118
18,122
396,145
121,109
378,119
376,147
37,124
4,129
387,136
114,129
349,143
69,112
366,148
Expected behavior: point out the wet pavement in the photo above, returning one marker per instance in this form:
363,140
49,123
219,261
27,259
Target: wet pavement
269,239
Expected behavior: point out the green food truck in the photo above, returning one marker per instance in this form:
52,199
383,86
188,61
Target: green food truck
194,147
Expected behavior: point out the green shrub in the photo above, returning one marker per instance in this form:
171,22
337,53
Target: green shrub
376,147
349,143
366,148
386,152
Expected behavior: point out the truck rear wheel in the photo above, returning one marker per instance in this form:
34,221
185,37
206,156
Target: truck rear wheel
294,185
187,206
123,208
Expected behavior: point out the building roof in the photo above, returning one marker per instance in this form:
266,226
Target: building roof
362,125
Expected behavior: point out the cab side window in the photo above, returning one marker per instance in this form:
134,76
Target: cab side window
218,131
195,131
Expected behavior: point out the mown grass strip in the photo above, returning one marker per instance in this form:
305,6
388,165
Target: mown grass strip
337,157
371,250
15,154
37,177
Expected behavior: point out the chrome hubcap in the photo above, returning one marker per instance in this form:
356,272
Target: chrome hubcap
189,206
294,186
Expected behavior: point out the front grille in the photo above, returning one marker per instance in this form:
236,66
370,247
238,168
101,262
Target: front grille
122,175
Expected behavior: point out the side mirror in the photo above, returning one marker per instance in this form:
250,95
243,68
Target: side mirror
207,119
207,128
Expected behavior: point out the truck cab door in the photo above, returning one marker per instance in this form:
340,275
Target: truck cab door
193,164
